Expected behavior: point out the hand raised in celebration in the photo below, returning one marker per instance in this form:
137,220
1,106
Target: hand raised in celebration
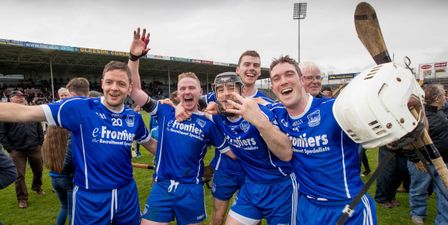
139,45
247,108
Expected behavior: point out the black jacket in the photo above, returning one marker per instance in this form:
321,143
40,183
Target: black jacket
21,136
438,131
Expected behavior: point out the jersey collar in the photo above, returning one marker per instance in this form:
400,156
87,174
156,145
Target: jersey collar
307,108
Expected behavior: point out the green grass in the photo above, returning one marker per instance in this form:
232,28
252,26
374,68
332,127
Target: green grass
43,209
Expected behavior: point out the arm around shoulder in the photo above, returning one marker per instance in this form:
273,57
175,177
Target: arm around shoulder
12,112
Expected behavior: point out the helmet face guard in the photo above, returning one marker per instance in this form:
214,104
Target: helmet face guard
223,80
373,108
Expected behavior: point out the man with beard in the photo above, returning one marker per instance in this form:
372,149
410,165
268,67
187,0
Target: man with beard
228,175
269,190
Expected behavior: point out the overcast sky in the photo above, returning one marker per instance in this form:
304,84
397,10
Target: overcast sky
222,30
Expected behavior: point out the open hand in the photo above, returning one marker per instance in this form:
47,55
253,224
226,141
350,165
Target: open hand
139,45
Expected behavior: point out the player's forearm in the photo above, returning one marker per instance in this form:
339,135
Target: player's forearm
135,75
277,141
151,146
12,112
137,94
231,154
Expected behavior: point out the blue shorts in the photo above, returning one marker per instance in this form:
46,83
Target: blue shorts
274,201
169,200
117,206
225,184
312,212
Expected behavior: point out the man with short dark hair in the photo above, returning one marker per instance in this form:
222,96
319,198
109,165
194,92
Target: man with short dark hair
324,158
23,141
228,175
78,86
102,130
327,92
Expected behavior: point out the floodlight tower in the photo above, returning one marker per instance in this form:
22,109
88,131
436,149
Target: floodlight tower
299,14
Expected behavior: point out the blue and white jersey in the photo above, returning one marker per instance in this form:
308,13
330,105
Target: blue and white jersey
223,162
101,140
182,145
255,158
325,159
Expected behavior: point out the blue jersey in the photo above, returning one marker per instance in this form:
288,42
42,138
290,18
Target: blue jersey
223,162
325,159
182,145
252,152
101,140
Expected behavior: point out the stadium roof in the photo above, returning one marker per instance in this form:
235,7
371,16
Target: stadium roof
24,57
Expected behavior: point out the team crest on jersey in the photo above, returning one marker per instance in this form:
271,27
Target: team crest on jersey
130,120
244,126
284,123
314,118
201,123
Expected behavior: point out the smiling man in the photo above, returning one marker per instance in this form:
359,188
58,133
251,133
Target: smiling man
311,78
325,159
103,130
178,191
269,190
228,175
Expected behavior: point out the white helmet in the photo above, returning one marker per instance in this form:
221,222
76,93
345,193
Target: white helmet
373,108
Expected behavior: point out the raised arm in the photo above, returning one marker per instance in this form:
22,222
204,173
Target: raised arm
277,141
137,50
12,112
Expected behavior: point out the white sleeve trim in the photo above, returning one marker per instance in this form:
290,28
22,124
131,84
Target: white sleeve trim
49,115
224,150
147,139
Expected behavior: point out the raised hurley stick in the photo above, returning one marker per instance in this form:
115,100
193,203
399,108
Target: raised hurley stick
369,32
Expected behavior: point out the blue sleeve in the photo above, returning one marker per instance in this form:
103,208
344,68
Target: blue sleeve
217,118
161,109
66,114
268,113
217,139
211,97
268,100
141,134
